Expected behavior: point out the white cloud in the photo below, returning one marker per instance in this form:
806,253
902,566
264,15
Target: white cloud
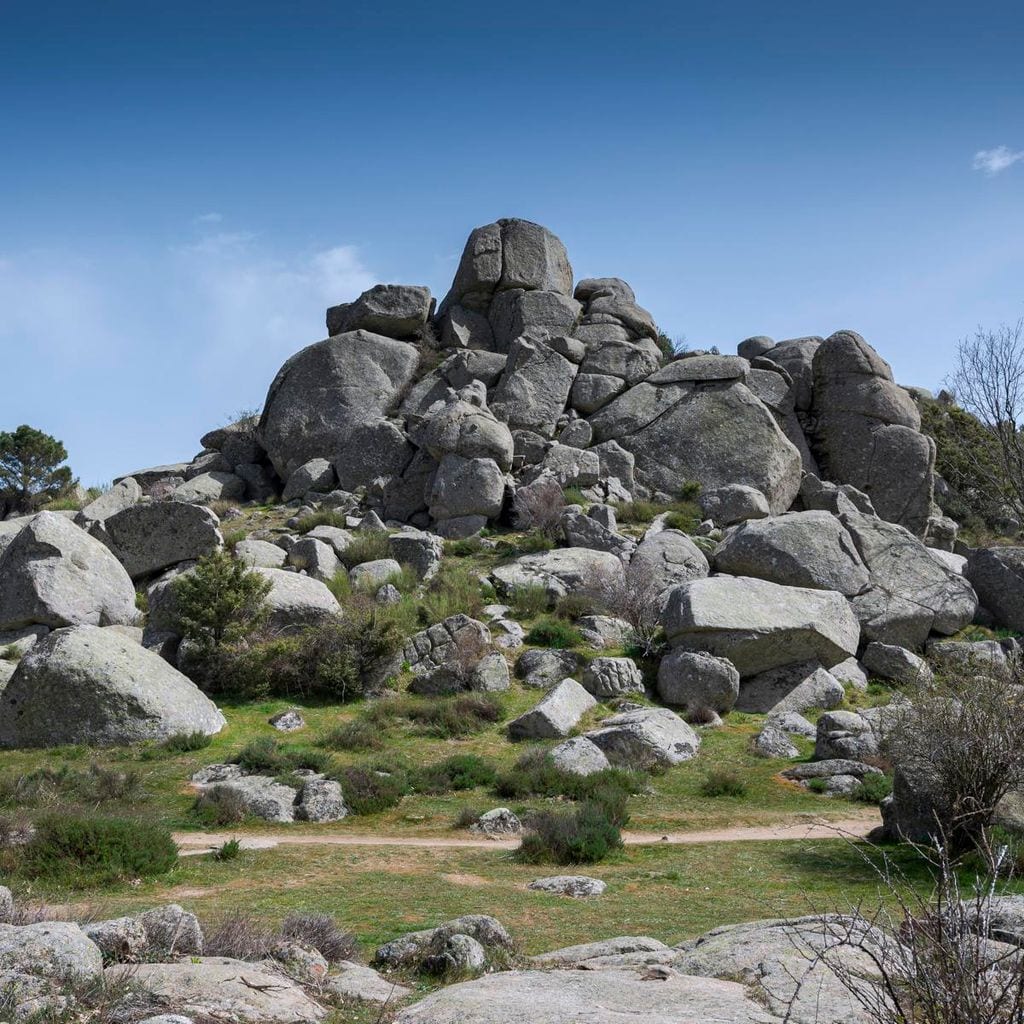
992,161
208,218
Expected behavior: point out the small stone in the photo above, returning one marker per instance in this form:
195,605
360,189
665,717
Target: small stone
575,886
287,721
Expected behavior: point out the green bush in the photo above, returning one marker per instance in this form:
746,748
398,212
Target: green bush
585,835
266,756
574,496
331,661
575,606
369,546
87,850
446,717
359,734
873,789
460,772
219,601
554,633
186,742
723,783
454,588
465,547
368,791
817,785
536,775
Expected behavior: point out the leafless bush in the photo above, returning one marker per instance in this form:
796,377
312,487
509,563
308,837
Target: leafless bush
539,506
960,747
321,932
930,953
633,596
221,805
989,383
241,936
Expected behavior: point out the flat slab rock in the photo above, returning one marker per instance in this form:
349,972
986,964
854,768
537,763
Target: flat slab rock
587,997
221,988
355,981
576,886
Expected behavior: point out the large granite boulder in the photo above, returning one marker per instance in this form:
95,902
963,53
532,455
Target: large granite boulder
696,681
534,388
555,716
646,738
997,575
324,392
51,949
511,253
799,549
461,424
83,684
560,572
728,436
759,625
664,559
910,594
867,431
296,601
393,310
54,574
149,538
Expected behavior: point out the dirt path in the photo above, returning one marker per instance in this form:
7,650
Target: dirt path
196,843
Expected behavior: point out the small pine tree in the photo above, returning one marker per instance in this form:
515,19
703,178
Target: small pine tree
219,600
30,468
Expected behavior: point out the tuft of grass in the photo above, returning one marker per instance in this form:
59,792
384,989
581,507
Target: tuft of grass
455,588
220,805
464,548
574,496
359,734
548,632
231,850
265,755
447,717
325,517
723,782
529,601
873,789
186,742
366,547
369,791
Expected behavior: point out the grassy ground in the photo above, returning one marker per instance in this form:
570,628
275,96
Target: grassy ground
668,892
674,800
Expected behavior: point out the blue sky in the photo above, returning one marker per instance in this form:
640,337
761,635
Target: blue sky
185,187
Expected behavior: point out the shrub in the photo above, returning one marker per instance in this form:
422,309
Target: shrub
574,496
685,516
359,734
321,932
530,543
266,756
529,601
873,789
463,771
535,774
230,850
220,805
368,546
723,783
467,816
331,661
49,786
85,850
463,715
554,633
219,601
239,936
539,506
817,785
575,606
186,742
585,835
368,791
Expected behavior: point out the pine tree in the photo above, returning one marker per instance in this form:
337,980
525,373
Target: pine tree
30,468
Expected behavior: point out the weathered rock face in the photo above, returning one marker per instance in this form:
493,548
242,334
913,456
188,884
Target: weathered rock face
665,559
149,538
597,997
798,687
759,625
695,680
54,574
89,685
997,574
296,600
324,392
52,949
461,424
733,437
224,989
558,712
800,549
867,431
644,738
534,388
559,571
911,593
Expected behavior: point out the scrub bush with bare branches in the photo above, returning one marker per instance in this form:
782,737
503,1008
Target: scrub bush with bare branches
539,506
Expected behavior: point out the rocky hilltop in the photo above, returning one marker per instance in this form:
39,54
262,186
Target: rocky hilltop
437,414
